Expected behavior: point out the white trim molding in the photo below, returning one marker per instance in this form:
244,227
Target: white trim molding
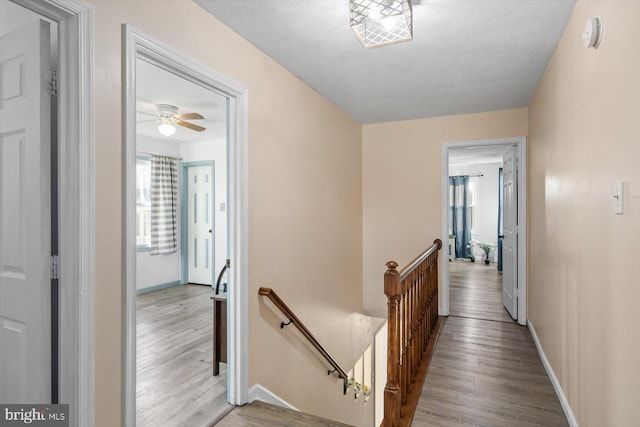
138,45
554,380
263,394
521,143
76,202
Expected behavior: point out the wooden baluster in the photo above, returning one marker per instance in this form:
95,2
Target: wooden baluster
423,308
417,353
413,328
407,328
405,341
416,327
434,297
426,310
392,394
407,348
433,302
429,301
412,337
435,280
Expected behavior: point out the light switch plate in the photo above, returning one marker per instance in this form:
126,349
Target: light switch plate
618,197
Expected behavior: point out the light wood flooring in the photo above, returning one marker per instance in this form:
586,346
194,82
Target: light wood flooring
475,291
175,385
259,414
487,373
485,370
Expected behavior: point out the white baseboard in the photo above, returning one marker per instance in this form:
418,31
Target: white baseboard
554,380
258,392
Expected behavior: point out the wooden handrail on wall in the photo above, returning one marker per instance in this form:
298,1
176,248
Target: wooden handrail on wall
413,327
275,299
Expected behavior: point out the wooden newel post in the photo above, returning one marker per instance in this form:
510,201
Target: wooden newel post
392,395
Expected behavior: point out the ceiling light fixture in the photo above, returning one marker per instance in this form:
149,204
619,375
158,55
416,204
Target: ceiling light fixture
167,128
381,22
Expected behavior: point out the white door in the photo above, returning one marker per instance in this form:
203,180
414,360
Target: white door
200,224
510,243
25,228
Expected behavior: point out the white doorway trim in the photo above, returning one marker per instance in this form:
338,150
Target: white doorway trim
521,143
140,45
76,202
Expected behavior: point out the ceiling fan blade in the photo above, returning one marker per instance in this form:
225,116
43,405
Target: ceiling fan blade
189,116
148,121
190,126
148,114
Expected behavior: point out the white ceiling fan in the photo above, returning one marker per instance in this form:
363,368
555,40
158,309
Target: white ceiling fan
168,117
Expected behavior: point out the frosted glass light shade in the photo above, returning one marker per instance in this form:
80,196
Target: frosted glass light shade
381,22
167,129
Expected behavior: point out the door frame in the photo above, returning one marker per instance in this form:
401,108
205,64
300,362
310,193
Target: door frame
140,45
184,211
76,202
521,143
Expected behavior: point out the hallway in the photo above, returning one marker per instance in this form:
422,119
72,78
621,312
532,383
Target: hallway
485,369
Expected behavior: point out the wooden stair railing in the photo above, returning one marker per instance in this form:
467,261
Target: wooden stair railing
275,299
413,327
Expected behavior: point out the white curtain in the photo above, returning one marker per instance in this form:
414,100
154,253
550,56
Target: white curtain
164,201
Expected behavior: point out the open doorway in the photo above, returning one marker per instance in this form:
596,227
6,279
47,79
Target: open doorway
484,227
181,241
184,124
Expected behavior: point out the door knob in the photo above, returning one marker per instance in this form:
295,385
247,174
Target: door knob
210,231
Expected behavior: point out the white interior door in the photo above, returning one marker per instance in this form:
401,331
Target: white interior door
510,243
25,228
200,224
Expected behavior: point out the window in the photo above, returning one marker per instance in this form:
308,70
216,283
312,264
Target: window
143,203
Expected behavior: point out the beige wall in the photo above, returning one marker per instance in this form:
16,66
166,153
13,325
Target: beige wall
402,182
584,289
305,220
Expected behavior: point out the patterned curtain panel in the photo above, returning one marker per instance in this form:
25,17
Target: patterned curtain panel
460,214
164,205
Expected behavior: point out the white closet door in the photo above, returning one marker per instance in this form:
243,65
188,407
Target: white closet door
510,243
25,215
200,224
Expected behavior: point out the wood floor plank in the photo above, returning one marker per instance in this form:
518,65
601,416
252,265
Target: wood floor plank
259,414
475,291
175,387
485,369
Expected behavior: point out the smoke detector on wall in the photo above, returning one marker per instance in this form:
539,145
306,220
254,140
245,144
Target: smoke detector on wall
592,34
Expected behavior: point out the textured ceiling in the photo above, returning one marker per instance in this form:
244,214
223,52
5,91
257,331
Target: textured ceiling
467,56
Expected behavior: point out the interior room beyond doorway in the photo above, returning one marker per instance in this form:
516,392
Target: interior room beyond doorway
482,272
182,245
